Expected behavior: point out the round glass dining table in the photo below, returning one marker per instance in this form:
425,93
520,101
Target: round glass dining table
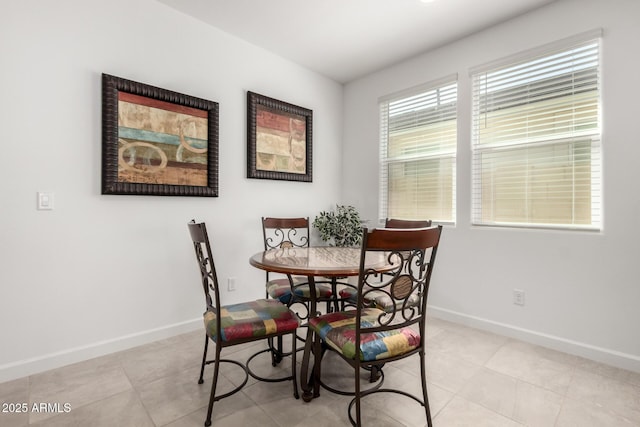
327,261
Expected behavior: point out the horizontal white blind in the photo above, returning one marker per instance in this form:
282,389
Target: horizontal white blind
418,153
536,140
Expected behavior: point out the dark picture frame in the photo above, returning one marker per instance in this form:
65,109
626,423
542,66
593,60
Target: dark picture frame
279,140
157,142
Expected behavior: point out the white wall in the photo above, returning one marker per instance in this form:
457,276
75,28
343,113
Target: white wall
582,289
101,273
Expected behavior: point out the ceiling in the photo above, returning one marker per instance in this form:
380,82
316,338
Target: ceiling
346,39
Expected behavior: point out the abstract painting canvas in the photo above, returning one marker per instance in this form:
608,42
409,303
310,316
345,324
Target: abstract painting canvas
158,142
279,139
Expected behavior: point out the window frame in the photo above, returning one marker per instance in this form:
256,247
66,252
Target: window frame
593,137
385,160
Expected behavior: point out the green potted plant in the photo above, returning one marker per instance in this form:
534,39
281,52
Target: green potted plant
342,227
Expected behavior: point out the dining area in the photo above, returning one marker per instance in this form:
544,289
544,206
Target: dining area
473,376
345,337
365,304
103,304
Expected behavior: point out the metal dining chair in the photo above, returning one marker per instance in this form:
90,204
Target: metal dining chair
377,298
280,233
367,337
230,325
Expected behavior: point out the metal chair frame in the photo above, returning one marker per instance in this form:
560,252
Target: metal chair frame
413,251
202,247
290,233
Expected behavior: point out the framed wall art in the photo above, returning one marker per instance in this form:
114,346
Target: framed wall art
157,142
279,139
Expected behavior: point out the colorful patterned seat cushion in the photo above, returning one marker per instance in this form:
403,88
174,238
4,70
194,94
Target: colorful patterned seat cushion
338,330
251,319
378,299
280,289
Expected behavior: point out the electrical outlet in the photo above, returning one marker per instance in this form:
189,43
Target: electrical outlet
231,284
518,297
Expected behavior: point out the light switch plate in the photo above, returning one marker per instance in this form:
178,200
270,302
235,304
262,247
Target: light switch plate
45,201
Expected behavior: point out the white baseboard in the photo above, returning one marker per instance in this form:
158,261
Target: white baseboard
38,364
603,355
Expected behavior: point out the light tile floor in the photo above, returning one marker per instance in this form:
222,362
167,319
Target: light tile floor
475,379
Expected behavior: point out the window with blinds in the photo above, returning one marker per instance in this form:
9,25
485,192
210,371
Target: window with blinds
536,139
418,153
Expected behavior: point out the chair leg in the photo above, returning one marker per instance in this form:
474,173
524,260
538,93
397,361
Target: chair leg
306,380
214,382
425,397
204,359
374,375
279,351
317,364
357,395
271,348
275,348
294,366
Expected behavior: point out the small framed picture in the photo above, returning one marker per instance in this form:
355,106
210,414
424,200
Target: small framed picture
279,139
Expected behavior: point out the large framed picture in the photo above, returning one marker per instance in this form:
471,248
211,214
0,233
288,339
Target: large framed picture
279,139
157,142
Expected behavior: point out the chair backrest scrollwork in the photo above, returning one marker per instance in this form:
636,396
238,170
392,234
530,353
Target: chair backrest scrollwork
285,232
204,256
405,287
